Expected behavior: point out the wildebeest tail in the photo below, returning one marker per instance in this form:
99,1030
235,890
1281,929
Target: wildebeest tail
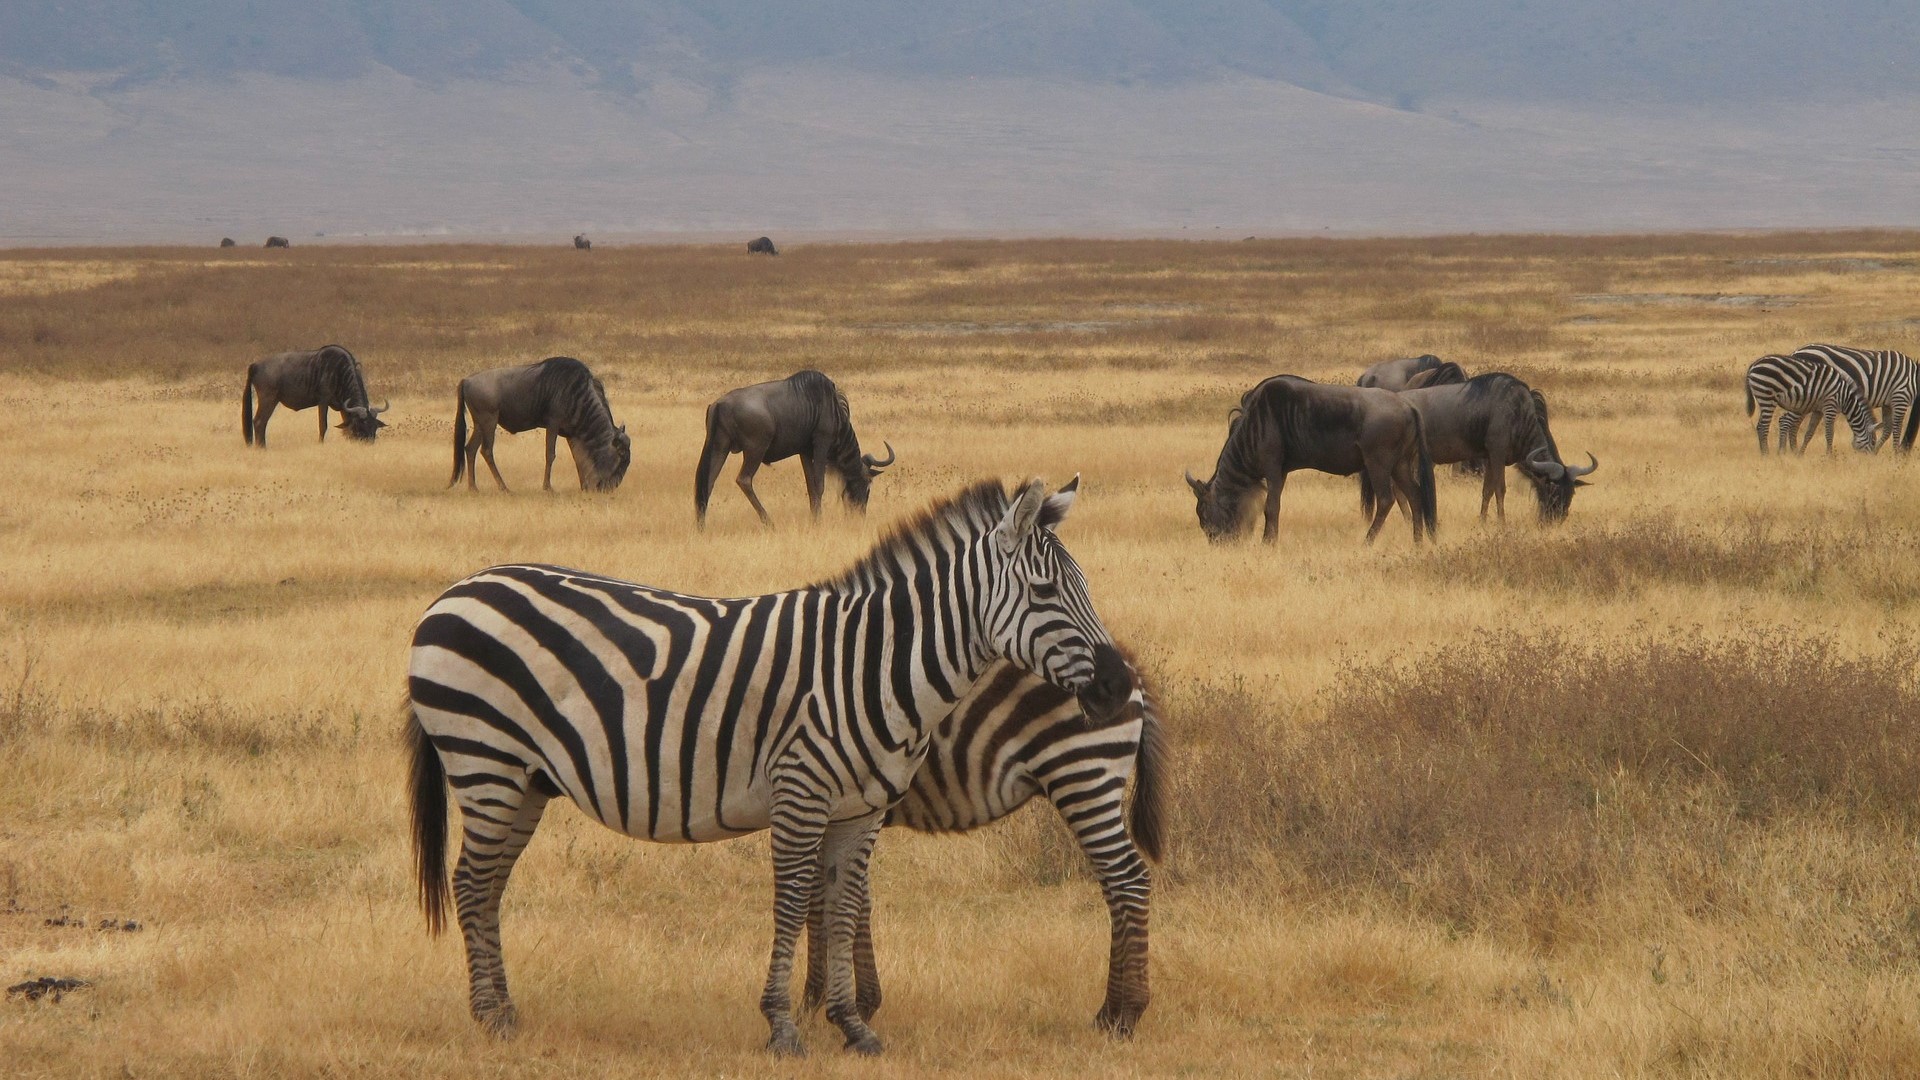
246,407
1428,506
1146,817
429,800
703,471
459,433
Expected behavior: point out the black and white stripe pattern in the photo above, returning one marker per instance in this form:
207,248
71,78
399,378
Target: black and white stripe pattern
684,719
1015,737
1796,387
1886,380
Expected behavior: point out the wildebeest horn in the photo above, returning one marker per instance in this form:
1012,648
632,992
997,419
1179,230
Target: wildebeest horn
383,408
1548,468
1575,470
874,463
1196,485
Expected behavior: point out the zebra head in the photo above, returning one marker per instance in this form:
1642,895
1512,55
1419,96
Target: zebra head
1039,614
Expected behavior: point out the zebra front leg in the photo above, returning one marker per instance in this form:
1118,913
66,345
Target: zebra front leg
497,821
799,821
844,853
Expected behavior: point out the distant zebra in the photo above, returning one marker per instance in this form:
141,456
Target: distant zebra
1886,380
684,718
1014,737
1797,387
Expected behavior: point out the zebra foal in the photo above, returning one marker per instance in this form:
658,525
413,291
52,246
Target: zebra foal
687,719
1796,387
1014,737
1885,380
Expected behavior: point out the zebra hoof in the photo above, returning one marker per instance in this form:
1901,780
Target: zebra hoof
786,1044
867,1045
1117,1022
501,1022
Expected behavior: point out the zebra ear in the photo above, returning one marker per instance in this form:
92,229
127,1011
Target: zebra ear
1021,517
1055,510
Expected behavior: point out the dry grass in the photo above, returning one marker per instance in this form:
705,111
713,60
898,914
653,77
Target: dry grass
1629,797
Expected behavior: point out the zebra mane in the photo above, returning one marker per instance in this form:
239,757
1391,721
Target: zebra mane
970,514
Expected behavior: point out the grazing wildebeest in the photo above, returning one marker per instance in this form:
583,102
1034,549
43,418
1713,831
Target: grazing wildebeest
581,243
1289,423
1394,374
1015,737
278,241
558,394
755,247
1495,420
803,414
328,377
226,242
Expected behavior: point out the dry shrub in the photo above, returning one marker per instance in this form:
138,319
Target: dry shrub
1513,781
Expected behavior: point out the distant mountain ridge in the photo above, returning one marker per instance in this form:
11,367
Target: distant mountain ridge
1401,52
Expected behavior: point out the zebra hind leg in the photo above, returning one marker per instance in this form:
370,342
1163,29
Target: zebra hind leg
845,852
497,821
866,973
1098,817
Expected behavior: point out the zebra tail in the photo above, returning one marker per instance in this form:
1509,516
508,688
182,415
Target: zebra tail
1749,399
459,433
1429,507
1913,426
246,407
429,799
703,473
1146,819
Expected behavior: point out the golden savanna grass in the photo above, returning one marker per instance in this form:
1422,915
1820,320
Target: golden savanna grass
1634,796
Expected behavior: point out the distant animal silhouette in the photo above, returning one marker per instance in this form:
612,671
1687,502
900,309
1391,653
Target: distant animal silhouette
755,247
226,241
581,243
278,241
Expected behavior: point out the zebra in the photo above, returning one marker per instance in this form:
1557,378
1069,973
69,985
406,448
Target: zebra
688,719
1798,385
1886,380
1014,737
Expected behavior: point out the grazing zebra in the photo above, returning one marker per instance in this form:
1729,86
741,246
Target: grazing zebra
1014,737
1886,380
685,719
1796,386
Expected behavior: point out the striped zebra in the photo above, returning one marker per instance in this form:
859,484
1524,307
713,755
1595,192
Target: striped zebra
687,719
1886,380
1014,737
1797,387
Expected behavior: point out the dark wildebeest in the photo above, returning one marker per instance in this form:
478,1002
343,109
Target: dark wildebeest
1288,423
278,241
1495,420
226,242
581,243
328,377
755,247
1447,374
803,414
1394,374
558,394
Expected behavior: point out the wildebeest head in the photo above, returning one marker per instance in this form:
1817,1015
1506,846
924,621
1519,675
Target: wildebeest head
1553,482
623,457
1221,516
363,421
856,476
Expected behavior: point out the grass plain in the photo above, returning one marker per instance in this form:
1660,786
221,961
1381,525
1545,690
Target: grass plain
1631,796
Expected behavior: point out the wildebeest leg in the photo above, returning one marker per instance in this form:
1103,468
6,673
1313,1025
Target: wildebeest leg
1493,481
1383,481
553,437
1406,496
815,470
750,464
323,423
268,402
579,460
1271,534
487,430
